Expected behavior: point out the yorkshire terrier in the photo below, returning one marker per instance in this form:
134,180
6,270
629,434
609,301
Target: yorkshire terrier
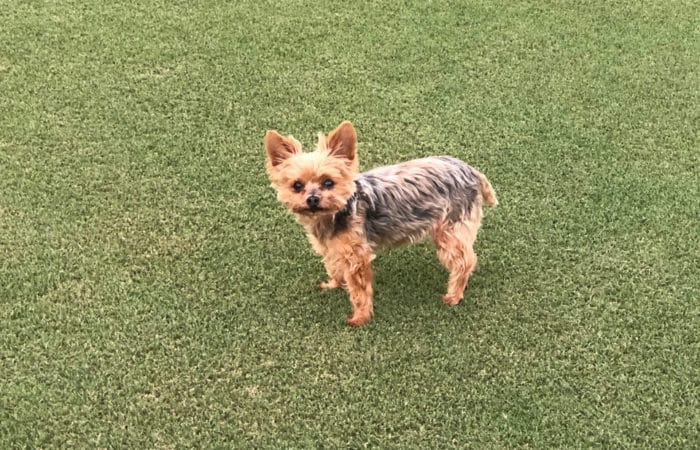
348,215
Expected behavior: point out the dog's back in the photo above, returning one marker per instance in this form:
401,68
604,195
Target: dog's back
403,202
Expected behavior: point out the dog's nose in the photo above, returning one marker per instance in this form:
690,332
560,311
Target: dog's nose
313,201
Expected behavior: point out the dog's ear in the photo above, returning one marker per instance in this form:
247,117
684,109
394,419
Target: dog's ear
342,142
279,147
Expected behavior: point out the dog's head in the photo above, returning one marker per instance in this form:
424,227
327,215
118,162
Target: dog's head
318,183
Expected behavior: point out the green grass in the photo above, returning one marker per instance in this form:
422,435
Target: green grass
153,293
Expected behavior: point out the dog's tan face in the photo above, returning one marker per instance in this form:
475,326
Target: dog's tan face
318,183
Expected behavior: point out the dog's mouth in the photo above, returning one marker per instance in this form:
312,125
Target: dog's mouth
312,210
315,209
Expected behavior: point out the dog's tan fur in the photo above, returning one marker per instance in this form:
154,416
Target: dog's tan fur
347,215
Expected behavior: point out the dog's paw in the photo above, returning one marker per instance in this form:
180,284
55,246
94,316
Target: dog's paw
451,299
357,320
330,284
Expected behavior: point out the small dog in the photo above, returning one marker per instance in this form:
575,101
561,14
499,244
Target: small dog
348,215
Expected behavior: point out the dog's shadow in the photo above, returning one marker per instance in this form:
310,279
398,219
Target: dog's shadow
409,276
409,281
405,279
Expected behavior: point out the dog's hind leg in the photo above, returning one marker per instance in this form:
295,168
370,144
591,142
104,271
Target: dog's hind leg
454,242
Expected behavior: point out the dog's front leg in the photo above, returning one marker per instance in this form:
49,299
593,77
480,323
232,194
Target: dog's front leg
336,274
351,256
358,277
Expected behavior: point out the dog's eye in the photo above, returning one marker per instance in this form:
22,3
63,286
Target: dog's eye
328,184
298,186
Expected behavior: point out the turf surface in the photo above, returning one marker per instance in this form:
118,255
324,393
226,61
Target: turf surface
154,294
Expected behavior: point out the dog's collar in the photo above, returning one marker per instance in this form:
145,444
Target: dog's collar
351,204
340,219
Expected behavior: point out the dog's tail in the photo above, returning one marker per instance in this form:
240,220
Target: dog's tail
487,191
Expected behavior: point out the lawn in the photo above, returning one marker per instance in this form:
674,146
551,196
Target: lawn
154,294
